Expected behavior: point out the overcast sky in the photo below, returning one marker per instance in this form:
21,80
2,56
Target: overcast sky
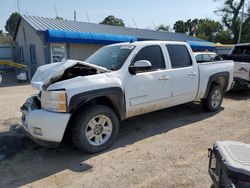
146,13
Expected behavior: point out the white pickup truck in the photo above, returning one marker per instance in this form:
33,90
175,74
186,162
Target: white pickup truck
88,99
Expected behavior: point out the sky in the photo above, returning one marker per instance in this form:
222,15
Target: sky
145,13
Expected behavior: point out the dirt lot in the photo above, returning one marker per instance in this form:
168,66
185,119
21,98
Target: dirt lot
161,149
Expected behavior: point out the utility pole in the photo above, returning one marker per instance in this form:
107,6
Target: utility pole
18,7
241,22
74,15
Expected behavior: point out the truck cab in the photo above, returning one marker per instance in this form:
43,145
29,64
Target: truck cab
117,82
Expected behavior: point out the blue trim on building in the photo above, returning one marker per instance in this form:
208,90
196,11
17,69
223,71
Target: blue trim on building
57,36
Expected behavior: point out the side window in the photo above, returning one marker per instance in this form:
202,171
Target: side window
199,58
206,57
152,54
179,56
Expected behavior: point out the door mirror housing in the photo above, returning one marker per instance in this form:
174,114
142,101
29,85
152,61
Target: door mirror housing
140,66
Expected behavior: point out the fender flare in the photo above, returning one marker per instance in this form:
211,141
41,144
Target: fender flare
114,94
213,78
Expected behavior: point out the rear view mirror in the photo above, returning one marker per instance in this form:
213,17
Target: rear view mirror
140,66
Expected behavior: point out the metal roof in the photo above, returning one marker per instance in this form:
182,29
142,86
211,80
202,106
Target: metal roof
44,24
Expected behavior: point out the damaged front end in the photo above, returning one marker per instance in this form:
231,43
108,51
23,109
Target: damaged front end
56,72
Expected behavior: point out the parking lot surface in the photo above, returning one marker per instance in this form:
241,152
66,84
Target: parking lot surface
167,148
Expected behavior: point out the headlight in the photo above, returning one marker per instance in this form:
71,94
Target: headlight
54,101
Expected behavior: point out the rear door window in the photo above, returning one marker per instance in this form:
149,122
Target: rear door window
179,56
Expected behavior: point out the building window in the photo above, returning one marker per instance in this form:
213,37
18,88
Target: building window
21,56
32,53
58,52
24,36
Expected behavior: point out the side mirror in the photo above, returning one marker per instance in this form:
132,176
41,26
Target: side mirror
140,66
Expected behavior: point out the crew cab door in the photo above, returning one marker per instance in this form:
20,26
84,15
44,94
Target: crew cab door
148,90
184,73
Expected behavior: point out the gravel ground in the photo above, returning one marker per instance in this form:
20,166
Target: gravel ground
167,148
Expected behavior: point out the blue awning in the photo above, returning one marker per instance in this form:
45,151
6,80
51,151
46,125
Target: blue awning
57,36
201,46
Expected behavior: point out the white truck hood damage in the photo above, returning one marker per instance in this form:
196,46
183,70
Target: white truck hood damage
48,74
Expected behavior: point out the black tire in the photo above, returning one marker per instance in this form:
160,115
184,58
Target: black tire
208,103
80,122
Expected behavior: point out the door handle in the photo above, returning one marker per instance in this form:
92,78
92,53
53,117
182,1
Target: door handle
192,74
164,78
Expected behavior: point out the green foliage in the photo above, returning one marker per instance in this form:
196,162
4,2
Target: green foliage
180,27
59,18
246,33
163,28
188,26
11,23
111,20
206,29
231,14
224,37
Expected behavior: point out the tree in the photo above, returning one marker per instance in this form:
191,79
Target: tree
208,29
180,27
11,23
188,26
223,37
59,18
231,13
111,20
163,28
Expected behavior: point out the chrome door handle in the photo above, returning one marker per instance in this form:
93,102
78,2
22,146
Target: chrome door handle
192,74
164,78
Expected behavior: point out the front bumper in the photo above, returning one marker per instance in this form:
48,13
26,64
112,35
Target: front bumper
43,125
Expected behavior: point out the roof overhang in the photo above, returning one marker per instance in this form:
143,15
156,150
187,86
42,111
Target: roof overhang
59,36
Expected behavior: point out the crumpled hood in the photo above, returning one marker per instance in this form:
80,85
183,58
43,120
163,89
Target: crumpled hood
47,73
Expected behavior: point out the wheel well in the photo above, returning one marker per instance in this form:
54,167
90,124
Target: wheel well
103,100
221,81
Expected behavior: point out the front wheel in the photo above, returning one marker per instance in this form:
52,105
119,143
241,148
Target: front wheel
94,129
214,99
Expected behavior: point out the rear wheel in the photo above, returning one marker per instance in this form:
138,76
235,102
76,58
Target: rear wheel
214,99
94,129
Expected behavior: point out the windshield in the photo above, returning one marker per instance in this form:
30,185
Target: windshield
111,57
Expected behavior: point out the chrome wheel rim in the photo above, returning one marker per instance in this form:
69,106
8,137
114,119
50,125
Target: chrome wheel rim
216,99
98,130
